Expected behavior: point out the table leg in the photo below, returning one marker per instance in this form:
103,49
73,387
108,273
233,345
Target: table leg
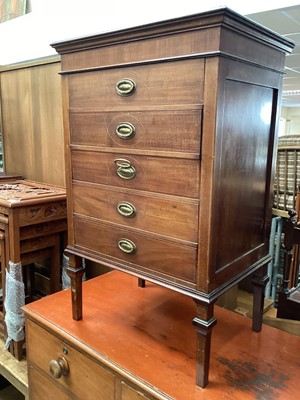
55,266
16,349
75,271
203,323
141,282
259,281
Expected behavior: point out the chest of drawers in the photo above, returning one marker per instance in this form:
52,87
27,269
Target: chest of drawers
170,132
127,350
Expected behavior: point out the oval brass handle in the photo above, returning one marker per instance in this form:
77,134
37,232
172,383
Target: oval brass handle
125,169
126,209
125,130
125,87
127,246
59,367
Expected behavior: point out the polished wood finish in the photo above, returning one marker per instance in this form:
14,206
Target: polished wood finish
98,129
171,216
218,77
178,177
32,123
177,83
33,224
143,343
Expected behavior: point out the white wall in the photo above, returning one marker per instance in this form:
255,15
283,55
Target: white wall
29,36
291,115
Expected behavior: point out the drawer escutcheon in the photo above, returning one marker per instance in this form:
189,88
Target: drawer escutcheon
127,246
126,209
125,130
125,169
125,87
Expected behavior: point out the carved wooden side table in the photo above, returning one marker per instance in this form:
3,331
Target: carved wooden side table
32,224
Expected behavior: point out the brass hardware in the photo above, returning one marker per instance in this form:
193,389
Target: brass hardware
125,87
127,246
126,209
125,130
125,169
59,367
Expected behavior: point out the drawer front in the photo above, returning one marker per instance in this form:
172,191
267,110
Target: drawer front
128,393
43,388
178,131
158,174
177,84
168,216
136,250
86,379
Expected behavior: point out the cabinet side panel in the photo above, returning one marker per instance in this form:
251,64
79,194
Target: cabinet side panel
244,170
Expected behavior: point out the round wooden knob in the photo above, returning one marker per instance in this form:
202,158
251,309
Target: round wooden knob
59,367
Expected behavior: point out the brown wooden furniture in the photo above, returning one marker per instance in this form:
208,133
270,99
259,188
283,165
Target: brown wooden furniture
289,293
33,218
32,123
169,143
4,177
135,344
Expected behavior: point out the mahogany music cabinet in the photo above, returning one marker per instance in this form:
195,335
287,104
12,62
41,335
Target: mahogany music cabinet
170,130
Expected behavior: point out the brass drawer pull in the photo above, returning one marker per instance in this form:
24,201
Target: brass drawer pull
59,367
126,209
125,169
125,130
125,87
127,246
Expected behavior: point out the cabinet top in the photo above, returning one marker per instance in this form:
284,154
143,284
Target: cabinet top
213,19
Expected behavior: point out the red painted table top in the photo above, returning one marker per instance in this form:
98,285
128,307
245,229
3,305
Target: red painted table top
149,332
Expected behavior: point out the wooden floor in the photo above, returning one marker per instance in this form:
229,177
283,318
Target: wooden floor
15,372
151,335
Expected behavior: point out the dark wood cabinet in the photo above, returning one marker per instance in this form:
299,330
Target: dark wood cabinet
170,133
